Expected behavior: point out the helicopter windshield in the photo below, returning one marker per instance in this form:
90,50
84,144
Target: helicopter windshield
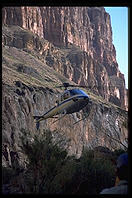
77,92
68,93
65,95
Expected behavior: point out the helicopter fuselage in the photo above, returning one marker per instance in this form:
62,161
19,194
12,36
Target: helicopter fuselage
76,100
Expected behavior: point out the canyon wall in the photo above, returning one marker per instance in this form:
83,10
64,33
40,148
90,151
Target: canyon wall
43,47
29,87
90,29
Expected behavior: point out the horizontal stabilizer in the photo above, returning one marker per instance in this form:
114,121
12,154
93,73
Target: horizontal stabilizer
36,117
37,123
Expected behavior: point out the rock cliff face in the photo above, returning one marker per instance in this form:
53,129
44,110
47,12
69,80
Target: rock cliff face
29,79
89,28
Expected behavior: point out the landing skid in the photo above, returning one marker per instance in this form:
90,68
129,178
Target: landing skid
80,120
58,118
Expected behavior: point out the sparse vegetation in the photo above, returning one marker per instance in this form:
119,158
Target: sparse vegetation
51,171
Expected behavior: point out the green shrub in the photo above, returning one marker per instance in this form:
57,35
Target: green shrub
45,163
7,174
51,171
94,174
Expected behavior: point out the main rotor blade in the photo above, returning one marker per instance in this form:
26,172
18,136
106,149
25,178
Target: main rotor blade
66,85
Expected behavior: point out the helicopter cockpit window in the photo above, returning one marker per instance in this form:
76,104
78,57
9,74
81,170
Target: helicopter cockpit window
77,91
65,96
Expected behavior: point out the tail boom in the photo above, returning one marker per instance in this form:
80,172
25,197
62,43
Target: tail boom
38,119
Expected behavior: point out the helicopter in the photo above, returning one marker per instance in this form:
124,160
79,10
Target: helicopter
71,101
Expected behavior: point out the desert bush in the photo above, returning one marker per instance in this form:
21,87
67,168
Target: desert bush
45,164
94,174
7,174
51,171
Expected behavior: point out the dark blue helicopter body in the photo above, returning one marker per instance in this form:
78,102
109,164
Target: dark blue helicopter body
80,100
71,101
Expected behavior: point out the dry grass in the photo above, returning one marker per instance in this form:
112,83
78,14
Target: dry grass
13,57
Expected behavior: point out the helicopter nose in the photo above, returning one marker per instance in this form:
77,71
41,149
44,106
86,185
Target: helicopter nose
86,98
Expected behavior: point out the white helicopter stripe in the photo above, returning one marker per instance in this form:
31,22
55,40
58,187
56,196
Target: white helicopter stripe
59,109
56,110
